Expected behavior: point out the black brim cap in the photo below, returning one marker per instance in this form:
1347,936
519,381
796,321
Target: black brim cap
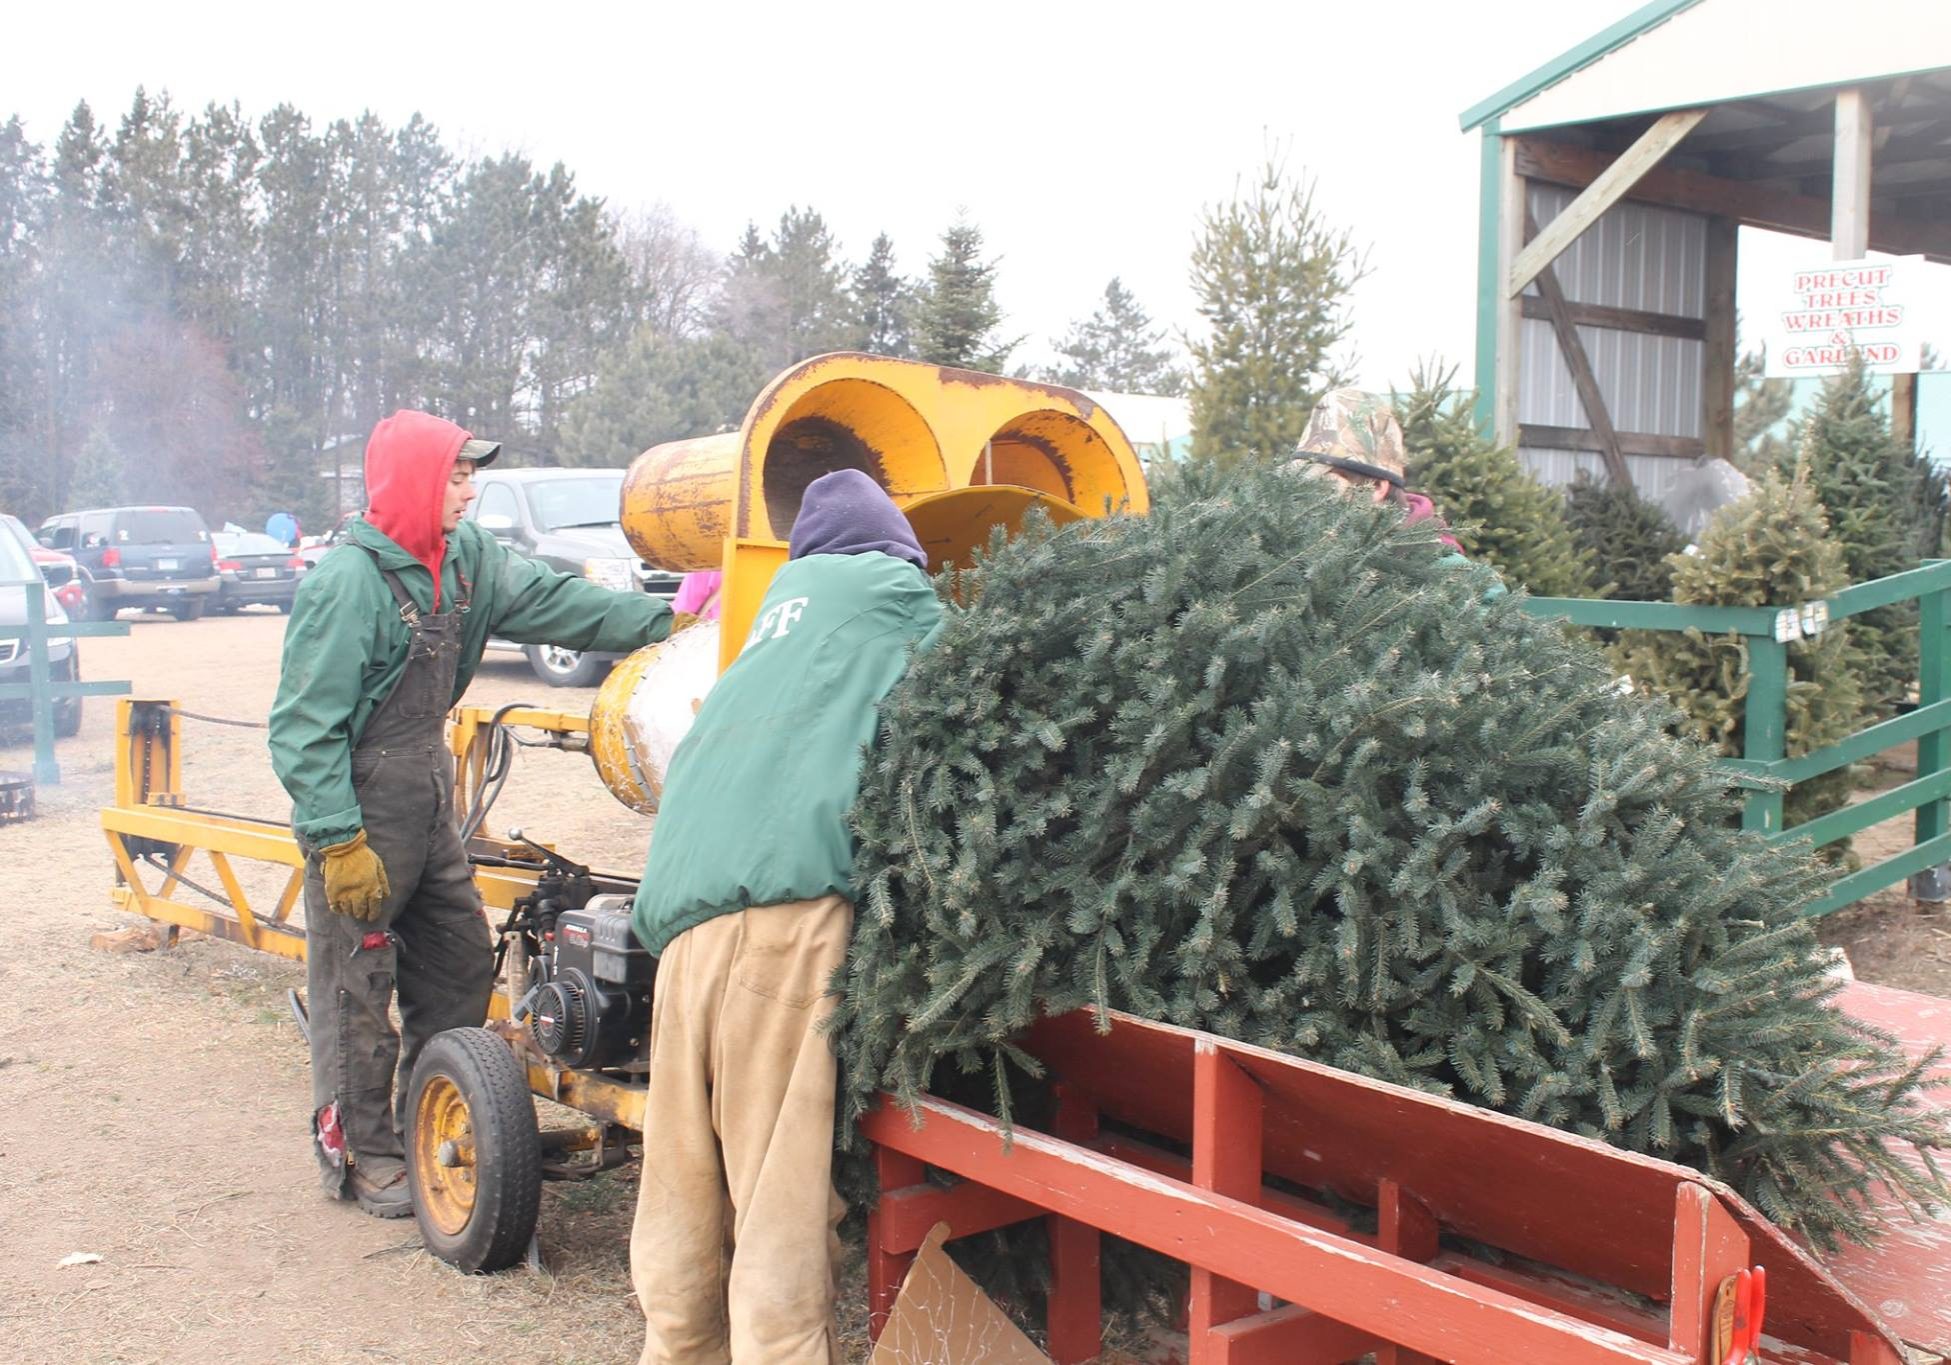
481,452
1347,466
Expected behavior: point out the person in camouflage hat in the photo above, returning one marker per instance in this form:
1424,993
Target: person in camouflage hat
1354,436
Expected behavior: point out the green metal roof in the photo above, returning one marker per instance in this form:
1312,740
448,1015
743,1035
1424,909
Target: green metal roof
1598,45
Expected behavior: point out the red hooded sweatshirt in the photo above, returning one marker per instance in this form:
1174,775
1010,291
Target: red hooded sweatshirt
409,459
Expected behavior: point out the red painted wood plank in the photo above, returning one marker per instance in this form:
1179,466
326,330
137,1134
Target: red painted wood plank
1225,1159
1527,1189
1406,1228
886,1268
906,1215
1289,1336
1708,1247
1074,1329
1398,1300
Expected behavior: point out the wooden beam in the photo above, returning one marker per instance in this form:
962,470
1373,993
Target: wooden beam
1513,210
1541,437
1849,197
1622,319
1589,395
1540,158
1606,189
1903,410
1717,358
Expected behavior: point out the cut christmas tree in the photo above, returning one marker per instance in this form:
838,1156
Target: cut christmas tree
1503,516
1263,764
1772,547
1886,506
1626,538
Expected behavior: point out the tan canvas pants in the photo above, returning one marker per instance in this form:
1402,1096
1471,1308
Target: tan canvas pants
734,1252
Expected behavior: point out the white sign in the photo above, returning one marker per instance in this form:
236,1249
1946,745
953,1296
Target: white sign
1819,319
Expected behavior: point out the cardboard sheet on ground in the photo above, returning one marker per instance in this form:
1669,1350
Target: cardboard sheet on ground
941,1318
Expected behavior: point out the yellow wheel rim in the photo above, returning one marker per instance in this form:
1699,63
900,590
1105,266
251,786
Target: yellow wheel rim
443,1152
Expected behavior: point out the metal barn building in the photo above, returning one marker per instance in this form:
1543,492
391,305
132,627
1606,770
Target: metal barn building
1614,180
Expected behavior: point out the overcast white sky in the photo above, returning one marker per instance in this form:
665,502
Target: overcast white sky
1082,137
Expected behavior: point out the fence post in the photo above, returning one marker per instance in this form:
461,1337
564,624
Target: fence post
1764,726
40,684
1933,884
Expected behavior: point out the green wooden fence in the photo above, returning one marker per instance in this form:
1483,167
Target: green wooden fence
41,689
1768,632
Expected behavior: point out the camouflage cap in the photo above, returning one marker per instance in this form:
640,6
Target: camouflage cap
479,451
1357,431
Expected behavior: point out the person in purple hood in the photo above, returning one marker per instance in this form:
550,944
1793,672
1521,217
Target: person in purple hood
748,901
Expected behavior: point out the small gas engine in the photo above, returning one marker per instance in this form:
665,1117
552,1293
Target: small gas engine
589,1002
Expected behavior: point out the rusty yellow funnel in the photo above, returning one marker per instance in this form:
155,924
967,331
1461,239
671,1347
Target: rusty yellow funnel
960,452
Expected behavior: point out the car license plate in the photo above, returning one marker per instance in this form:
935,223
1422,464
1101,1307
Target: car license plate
264,573
169,563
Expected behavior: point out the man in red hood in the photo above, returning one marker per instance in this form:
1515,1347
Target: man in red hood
384,637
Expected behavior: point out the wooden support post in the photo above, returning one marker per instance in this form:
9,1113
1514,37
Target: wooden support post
1903,410
1580,364
886,1269
1511,216
1075,1326
1717,355
1849,201
1227,1142
1607,189
1404,1228
1708,1246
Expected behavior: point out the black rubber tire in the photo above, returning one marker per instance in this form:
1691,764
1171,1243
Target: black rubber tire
589,670
507,1150
284,607
188,611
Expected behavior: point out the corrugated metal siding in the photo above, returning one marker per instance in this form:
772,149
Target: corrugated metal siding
1635,256
1651,384
1652,475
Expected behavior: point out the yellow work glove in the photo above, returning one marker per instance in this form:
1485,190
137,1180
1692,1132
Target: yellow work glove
355,879
681,620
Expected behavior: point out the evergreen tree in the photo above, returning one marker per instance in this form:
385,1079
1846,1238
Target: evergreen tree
1626,539
785,298
1503,515
956,317
884,303
659,388
1273,278
1886,508
1333,803
1772,547
1118,350
1761,407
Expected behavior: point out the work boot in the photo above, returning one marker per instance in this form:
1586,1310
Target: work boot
379,1185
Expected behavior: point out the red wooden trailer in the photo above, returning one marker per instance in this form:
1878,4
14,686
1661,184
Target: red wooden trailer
1494,1240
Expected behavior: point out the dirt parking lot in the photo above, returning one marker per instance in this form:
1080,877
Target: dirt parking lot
153,1107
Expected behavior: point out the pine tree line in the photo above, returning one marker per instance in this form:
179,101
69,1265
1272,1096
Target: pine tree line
213,308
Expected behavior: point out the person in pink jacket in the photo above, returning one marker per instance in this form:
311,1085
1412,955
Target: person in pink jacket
698,595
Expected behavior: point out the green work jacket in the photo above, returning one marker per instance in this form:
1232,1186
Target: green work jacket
757,799
345,647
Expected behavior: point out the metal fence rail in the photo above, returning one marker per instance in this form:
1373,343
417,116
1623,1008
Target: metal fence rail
1763,767
41,690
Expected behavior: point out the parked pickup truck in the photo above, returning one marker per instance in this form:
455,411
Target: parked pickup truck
568,519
